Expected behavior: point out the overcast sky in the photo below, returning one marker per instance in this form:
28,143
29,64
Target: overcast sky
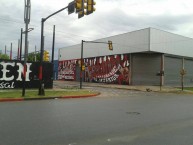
110,18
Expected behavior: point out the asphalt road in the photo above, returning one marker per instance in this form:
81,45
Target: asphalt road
116,117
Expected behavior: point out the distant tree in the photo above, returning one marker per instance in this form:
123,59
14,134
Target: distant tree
31,57
4,56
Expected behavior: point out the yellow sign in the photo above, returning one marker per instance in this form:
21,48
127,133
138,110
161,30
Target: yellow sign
182,72
83,67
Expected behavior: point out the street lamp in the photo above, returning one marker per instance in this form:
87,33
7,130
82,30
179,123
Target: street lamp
30,29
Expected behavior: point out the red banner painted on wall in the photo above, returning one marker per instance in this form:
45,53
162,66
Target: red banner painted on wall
67,70
106,69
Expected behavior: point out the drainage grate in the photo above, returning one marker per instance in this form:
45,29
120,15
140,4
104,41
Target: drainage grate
133,113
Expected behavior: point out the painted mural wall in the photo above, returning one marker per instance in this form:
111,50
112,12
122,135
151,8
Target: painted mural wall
106,69
66,70
11,74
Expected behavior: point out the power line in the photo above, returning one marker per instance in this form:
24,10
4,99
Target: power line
8,20
37,27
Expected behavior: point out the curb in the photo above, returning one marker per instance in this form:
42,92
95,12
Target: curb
48,98
11,99
83,96
175,91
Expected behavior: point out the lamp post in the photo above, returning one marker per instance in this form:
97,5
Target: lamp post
27,11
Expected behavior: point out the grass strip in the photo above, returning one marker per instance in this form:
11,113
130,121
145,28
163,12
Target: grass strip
48,93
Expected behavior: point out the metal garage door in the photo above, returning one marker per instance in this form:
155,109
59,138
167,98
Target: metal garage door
144,68
172,68
188,78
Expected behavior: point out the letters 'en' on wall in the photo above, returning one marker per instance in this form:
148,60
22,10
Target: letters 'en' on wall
11,74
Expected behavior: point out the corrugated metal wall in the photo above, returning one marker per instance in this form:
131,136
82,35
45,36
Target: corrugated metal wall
169,43
131,42
149,39
188,78
144,68
172,68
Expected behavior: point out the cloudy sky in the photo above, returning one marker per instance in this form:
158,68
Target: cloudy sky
110,18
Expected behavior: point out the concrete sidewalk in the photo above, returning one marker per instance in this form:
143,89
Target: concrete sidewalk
166,89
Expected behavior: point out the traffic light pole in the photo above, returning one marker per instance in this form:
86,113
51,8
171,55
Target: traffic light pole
81,59
41,85
81,64
71,6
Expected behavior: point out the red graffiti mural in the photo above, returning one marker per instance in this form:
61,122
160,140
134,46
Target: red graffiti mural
66,70
106,69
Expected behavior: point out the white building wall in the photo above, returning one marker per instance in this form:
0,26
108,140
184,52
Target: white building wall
145,40
165,42
132,42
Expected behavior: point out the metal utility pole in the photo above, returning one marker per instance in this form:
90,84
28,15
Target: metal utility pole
35,54
5,49
162,71
11,52
182,73
18,50
27,13
81,64
53,44
21,44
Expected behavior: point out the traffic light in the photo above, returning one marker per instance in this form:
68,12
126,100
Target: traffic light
71,7
110,45
79,5
90,7
46,56
83,67
80,14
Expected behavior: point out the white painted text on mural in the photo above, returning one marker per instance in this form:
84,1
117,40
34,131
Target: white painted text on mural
7,85
5,71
